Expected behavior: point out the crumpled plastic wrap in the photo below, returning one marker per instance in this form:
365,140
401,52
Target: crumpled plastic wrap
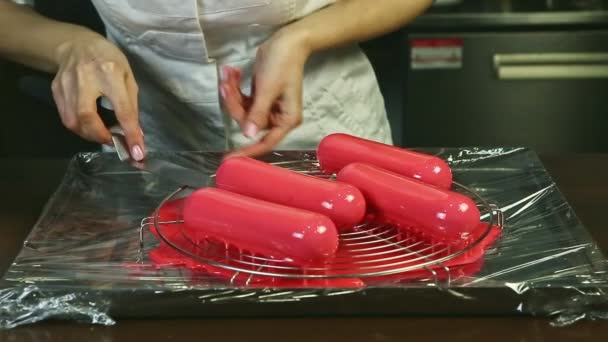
82,260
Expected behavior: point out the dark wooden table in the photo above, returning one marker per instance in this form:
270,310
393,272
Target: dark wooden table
27,184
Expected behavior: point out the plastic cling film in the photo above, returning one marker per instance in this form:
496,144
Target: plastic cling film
82,260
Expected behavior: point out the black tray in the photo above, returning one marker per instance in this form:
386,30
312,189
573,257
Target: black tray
79,260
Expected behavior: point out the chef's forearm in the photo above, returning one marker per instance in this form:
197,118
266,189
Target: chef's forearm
350,21
31,39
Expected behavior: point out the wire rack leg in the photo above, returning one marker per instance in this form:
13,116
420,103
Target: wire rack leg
145,222
500,216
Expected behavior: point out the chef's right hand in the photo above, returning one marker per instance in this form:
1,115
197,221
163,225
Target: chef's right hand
90,67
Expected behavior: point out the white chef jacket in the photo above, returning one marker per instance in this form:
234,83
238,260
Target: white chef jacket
176,49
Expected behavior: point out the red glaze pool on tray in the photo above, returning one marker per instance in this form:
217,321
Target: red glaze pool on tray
163,256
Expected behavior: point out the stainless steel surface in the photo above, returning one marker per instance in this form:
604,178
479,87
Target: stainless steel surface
522,6
498,13
551,58
368,250
437,21
452,107
533,66
120,144
547,72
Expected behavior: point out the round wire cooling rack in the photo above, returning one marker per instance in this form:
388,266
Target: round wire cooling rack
367,250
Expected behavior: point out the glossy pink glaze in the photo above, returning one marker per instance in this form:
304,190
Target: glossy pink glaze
336,151
441,214
258,226
342,203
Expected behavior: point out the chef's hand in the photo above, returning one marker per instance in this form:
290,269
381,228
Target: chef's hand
275,103
91,67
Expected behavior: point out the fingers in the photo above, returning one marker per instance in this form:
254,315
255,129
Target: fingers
234,101
276,104
265,145
90,69
123,95
76,91
235,77
69,122
77,108
90,125
232,104
267,93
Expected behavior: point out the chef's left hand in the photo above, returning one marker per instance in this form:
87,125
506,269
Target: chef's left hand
275,103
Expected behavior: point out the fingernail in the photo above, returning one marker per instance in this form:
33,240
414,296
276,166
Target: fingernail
137,153
223,92
142,132
251,130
